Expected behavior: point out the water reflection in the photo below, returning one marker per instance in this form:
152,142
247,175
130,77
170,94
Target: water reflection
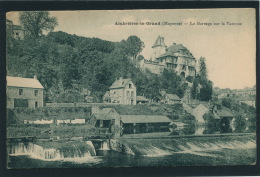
217,129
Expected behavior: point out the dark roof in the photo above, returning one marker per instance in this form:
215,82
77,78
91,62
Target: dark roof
141,98
175,48
225,113
103,114
23,82
173,97
17,27
167,54
120,83
144,119
159,42
9,21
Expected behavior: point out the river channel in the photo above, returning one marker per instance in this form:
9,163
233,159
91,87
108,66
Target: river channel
173,148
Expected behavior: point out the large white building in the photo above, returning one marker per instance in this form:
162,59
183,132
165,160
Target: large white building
175,57
122,91
24,92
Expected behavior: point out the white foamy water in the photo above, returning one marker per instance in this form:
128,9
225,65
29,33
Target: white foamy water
50,154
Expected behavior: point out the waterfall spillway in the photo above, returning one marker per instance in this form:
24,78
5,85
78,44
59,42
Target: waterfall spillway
202,146
62,152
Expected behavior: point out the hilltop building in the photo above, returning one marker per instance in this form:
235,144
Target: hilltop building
24,92
122,91
14,31
175,57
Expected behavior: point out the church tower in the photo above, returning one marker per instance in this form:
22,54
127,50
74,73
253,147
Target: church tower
159,48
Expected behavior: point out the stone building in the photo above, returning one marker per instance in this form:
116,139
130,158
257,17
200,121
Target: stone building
175,57
14,31
119,123
122,91
24,92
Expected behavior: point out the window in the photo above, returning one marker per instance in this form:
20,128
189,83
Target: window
130,85
132,93
20,91
36,104
36,92
127,93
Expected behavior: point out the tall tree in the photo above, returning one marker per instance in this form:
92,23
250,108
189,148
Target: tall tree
133,46
203,69
36,22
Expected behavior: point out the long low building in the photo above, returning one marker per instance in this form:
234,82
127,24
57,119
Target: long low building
120,124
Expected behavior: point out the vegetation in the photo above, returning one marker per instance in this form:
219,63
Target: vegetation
202,87
69,65
36,22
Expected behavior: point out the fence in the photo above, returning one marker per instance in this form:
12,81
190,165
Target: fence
77,104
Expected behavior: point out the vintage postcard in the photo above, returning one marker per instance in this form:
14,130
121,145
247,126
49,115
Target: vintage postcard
131,88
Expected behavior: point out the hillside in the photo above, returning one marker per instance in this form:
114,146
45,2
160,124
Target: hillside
71,67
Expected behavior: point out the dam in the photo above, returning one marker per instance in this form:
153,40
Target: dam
122,152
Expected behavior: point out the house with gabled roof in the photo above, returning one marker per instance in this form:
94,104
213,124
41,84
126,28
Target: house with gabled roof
175,57
172,99
24,92
123,91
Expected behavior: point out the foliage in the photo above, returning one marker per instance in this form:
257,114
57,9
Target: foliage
67,65
202,87
36,22
210,121
133,46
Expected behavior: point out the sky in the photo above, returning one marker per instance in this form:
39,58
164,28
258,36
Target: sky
230,50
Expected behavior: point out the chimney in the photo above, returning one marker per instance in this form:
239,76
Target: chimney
35,77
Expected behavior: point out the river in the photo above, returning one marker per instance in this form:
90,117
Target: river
195,149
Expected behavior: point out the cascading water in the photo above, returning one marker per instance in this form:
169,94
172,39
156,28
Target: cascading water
202,146
66,152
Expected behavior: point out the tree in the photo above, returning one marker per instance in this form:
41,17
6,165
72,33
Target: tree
203,69
133,46
36,22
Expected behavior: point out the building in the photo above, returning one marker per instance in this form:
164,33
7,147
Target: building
122,91
132,124
141,100
171,99
124,123
175,57
199,111
24,92
221,115
14,31
107,118
250,102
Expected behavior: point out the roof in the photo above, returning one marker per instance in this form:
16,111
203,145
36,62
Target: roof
102,114
171,50
173,97
23,82
224,113
141,98
159,42
120,83
17,27
144,119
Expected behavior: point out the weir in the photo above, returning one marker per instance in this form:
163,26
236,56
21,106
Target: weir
201,145
63,152
193,145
